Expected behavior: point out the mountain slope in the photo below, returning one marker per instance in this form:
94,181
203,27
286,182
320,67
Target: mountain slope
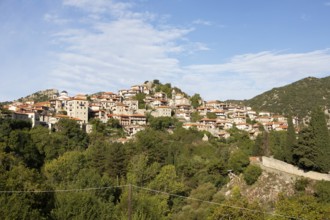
40,96
298,98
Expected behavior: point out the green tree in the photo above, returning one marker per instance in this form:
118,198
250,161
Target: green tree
211,115
81,205
195,116
140,98
32,205
257,149
312,151
291,140
116,160
146,206
322,191
75,138
154,143
238,161
97,155
99,126
322,139
140,172
252,173
196,100
300,207
161,123
64,170
108,158
167,180
20,142
194,209
238,208
166,88
301,184
305,152
89,204
278,144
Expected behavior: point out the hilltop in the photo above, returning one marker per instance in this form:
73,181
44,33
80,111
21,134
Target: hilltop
298,98
40,96
170,155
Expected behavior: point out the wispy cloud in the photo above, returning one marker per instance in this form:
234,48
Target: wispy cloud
129,48
327,3
123,50
55,19
99,6
305,17
202,22
249,74
207,23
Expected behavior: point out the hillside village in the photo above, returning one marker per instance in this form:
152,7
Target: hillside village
188,168
132,116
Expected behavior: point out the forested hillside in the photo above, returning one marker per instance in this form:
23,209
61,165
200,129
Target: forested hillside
68,174
298,98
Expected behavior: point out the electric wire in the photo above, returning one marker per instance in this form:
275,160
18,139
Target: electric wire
62,190
216,203
150,190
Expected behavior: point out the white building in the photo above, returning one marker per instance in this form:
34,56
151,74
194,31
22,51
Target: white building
162,111
77,107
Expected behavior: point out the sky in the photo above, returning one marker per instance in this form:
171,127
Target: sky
220,49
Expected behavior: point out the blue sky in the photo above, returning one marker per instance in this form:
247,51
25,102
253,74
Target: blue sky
221,49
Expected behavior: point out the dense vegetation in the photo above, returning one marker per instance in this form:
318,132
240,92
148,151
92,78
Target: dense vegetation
298,98
309,150
69,174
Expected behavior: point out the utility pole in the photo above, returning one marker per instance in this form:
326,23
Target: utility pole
130,202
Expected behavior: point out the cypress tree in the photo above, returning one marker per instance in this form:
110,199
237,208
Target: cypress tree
321,136
312,152
305,152
290,141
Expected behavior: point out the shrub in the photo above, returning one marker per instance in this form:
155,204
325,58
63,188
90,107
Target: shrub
251,174
301,184
322,191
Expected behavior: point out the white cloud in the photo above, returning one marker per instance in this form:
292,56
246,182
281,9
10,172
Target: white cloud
55,19
124,50
202,22
247,75
130,48
327,4
99,6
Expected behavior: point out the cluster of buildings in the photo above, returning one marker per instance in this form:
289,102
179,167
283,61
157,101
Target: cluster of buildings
125,107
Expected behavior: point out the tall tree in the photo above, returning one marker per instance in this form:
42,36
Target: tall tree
312,151
290,140
196,100
304,152
322,139
278,144
75,138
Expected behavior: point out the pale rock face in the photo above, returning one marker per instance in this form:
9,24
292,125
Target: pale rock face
205,138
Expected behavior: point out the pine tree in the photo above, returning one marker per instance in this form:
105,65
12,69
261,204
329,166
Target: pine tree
290,141
322,139
304,152
312,151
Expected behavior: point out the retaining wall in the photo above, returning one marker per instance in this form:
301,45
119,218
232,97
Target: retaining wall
288,168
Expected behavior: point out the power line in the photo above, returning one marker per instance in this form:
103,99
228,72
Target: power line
150,190
216,203
62,190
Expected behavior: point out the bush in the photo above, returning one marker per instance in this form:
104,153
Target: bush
301,184
238,161
251,174
322,191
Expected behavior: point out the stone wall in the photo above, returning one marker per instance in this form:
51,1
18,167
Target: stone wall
288,168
